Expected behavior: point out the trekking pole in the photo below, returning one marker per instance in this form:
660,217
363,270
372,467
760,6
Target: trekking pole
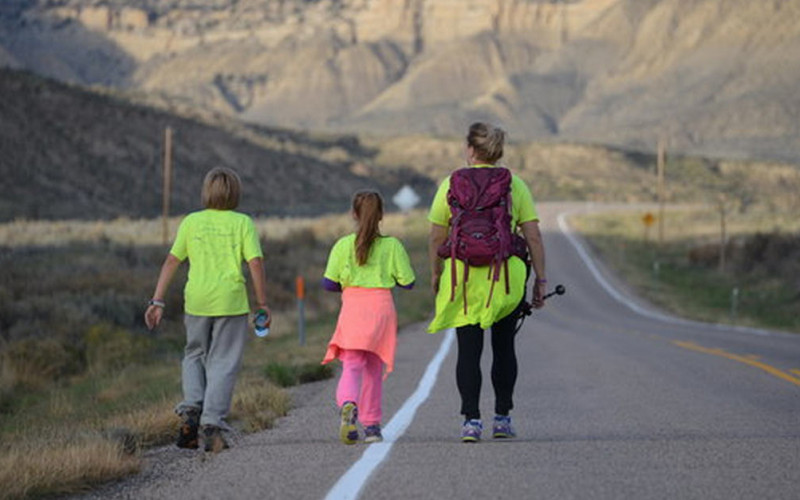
527,309
559,290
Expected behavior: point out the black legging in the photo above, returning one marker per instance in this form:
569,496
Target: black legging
504,365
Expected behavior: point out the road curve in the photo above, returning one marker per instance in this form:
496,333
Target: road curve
614,400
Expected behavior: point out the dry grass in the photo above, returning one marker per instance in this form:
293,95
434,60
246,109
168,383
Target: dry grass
141,232
152,426
683,274
257,403
43,468
124,401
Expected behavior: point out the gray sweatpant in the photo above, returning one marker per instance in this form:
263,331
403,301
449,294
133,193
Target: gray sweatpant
211,360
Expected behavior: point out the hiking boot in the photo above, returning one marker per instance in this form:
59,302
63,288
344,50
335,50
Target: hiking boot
502,428
372,434
471,431
214,442
347,429
187,435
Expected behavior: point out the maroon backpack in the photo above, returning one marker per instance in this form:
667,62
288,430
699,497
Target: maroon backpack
480,225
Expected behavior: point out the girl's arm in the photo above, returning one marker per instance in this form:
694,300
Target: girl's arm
330,285
533,236
155,311
256,266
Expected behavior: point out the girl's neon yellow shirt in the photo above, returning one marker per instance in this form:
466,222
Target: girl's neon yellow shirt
387,265
450,314
216,242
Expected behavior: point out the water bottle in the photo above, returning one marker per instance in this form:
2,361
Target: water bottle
262,323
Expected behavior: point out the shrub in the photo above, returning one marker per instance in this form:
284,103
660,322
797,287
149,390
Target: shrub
34,363
286,376
280,374
112,348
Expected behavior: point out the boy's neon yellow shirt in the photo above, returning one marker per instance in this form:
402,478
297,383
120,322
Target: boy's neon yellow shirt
216,242
388,264
450,313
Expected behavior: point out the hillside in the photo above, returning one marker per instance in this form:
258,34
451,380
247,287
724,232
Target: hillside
72,153
714,78
78,153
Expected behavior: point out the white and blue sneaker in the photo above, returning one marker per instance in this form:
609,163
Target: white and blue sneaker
471,431
502,428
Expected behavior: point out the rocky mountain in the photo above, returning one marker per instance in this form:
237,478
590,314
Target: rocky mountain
69,153
711,77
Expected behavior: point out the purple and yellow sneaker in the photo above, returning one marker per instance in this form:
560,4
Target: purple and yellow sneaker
502,428
471,431
347,429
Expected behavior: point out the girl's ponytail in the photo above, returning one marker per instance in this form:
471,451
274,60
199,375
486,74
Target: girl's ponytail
368,210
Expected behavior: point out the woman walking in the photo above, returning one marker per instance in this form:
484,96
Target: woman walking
479,271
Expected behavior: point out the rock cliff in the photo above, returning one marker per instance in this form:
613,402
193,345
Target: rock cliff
711,77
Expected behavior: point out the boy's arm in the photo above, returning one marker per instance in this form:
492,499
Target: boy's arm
256,266
155,311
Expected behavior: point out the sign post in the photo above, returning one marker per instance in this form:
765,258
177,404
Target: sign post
648,219
300,287
167,185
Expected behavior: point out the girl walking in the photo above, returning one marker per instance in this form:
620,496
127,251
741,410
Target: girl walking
365,266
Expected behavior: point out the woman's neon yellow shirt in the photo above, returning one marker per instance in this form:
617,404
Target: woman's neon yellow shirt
388,264
216,242
450,314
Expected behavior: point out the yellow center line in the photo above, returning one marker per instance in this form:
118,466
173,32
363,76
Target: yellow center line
748,360
795,371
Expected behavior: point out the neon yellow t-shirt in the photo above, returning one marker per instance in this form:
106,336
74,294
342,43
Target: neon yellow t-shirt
216,242
387,265
450,313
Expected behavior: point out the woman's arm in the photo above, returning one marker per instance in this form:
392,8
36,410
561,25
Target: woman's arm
155,311
533,237
437,236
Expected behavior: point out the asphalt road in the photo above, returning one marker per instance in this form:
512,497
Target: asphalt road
614,400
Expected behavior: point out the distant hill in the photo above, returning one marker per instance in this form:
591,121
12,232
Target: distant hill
77,153
713,77
69,153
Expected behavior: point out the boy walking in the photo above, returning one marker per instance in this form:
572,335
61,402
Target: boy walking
215,241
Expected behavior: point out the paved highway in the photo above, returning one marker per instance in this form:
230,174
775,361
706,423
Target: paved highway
614,400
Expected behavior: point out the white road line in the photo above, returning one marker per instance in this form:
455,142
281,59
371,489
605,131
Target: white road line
349,485
584,255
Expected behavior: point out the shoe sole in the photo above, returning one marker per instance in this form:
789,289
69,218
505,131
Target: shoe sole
348,433
373,439
469,439
503,435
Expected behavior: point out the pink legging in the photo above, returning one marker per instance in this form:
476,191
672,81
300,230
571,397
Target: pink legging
361,382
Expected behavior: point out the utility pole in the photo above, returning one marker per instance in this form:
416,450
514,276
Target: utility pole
167,185
660,189
723,233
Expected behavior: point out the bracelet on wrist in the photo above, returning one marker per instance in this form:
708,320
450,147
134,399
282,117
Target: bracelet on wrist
540,281
157,303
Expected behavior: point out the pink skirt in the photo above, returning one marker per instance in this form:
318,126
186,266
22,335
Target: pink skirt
367,322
